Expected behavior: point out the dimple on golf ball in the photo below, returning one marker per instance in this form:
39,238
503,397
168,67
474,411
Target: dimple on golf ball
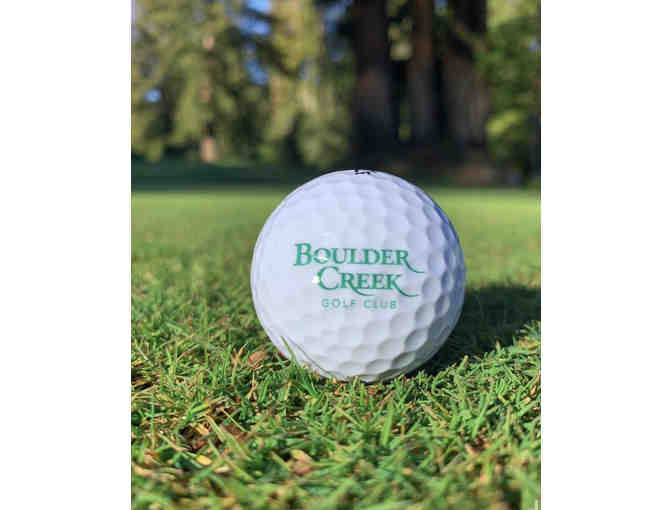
358,273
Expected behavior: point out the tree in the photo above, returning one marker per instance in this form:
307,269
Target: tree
374,107
295,36
400,77
310,120
464,93
512,65
192,89
422,93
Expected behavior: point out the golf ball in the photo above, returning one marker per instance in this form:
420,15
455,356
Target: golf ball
358,273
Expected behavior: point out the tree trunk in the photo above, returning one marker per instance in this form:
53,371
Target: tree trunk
208,149
208,143
375,117
464,94
465,100
422,94
472,14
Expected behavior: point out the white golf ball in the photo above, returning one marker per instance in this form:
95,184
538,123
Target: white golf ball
358,273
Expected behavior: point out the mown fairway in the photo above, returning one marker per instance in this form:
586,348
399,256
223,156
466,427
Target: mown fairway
220,421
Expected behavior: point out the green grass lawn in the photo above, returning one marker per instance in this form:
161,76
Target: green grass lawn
219,420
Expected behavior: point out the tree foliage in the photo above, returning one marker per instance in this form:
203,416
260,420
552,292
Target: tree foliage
511,63
310,118
191,78
304,82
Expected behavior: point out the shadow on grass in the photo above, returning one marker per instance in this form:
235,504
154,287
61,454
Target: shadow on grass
490,314
175,174
179,174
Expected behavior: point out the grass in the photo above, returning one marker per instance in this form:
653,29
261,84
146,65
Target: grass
219,420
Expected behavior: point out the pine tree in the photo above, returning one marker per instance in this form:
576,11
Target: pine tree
192,89
376,118
422,89
310,120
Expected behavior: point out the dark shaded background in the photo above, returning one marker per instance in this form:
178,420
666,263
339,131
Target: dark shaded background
263,90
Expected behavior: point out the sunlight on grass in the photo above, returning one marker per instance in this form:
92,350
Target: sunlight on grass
219,420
